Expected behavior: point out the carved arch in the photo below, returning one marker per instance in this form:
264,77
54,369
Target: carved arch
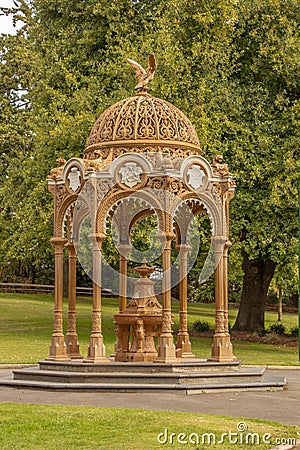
213,207
59,220
110,200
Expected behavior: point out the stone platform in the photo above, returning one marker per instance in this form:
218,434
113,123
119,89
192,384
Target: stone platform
185,377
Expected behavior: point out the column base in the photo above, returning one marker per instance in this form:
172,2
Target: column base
58,349
96,351
184,347
73,347
221,349
166,351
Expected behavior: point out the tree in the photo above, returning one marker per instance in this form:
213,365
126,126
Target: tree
265,213
244,63
68,61
232,67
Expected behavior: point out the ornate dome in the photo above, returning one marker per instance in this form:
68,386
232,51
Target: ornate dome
141,122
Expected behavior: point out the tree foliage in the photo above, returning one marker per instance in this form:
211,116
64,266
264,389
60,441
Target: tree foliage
231,66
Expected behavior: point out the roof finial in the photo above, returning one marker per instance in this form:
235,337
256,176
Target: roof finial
144,76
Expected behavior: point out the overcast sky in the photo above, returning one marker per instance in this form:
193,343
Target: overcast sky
6,25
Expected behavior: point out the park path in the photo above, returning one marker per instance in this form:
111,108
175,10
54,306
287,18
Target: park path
279,406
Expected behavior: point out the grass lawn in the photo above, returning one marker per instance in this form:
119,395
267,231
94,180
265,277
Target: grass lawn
67,427
26,325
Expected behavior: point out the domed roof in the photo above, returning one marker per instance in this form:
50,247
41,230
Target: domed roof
142,120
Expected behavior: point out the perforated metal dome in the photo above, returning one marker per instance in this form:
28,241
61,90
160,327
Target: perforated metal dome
142,120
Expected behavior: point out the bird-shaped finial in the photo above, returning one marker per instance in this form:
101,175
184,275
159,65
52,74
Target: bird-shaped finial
144,76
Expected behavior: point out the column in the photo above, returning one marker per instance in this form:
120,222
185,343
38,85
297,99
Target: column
96,350
71,336
166,347
221,346
183,344
58,346
123,250
122,330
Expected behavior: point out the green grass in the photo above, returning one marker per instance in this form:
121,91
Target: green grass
26,325
68,427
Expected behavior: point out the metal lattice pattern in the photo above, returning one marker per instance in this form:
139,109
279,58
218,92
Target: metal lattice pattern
143,117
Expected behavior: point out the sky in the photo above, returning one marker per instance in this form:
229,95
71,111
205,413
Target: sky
6,25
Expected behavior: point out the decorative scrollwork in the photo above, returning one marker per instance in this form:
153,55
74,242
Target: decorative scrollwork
221,323
58,320
96,321
61,194
71,321
142,117
167,322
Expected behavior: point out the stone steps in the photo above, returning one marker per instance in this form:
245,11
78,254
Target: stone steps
147,388
245,375
192,365
183,377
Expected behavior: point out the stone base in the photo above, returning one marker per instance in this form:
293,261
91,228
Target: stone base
184,347
58,349
221,350
194,377
73,347
166,350
96,351
96,360
138,356
77,356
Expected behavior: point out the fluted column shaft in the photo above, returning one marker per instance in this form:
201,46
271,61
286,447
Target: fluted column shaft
96,350
166,347
183,345
221,347
123,250
71,336
58,346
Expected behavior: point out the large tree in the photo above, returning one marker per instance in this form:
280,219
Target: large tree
265,152
244,92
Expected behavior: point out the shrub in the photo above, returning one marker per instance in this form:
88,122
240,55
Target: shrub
262,332
277,328
294,332
200,326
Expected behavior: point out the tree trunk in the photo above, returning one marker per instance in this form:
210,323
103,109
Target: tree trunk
280,296
258,274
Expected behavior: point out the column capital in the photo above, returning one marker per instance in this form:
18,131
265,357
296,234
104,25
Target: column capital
219,239
184,248
58,241
124,249
166,236
97,239
219,243
97,236
169,235
71,247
